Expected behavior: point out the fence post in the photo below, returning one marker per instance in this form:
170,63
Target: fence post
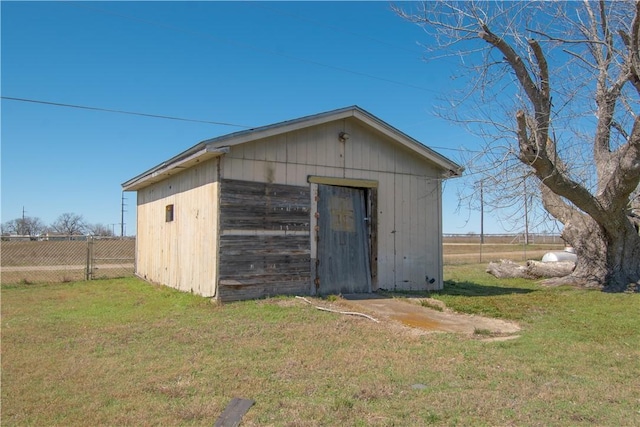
89,274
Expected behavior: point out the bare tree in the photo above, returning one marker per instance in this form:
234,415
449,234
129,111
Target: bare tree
27,226
565,76
99,230
69,224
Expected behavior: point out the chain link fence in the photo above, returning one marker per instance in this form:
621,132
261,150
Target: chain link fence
72,258
65,258
473,248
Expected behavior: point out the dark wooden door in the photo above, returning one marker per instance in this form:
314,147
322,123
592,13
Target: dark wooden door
343,241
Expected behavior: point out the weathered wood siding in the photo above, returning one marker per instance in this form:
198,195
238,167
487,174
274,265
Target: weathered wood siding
264,240
181,253
408,194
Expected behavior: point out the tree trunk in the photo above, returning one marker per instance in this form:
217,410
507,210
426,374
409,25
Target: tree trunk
506,269
539,269
608,255
623,259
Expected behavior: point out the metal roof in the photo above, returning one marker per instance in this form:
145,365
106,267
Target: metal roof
218,146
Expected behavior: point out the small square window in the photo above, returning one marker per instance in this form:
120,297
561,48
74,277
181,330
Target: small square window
169,213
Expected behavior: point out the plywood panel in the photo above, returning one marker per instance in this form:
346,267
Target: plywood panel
163,256
261,149
249,150
416,234
297,174
386,230
233,167
433,233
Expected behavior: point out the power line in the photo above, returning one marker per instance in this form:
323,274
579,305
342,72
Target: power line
133,113
108,110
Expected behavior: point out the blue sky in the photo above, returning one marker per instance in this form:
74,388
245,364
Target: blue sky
242,63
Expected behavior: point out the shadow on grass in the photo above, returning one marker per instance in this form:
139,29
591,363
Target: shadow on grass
471,289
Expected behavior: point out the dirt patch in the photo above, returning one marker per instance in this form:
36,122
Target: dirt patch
410,312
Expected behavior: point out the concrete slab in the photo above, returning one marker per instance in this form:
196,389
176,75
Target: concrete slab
410,312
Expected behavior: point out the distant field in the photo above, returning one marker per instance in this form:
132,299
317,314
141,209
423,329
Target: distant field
65,252
465,253
503,239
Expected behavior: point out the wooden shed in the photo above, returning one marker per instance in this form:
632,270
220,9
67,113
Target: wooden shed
334,203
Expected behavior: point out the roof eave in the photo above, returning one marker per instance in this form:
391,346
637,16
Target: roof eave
174,166
450,168
217,146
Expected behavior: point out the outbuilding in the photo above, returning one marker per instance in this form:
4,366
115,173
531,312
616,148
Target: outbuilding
334,203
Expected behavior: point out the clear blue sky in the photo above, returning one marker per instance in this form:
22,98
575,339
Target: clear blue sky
241,63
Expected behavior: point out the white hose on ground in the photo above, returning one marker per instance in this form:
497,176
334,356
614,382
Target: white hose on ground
351,313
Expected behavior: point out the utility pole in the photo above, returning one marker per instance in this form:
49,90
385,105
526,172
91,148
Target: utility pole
122,211
526,213
21,230
481,213
481,217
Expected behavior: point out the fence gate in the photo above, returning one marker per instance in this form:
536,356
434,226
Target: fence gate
109,257
28,259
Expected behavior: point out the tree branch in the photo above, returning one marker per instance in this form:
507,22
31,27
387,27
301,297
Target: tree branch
551,172
556,206
634,49
514,60
625,177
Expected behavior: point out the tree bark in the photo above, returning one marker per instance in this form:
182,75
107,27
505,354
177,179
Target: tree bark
506,269
539,269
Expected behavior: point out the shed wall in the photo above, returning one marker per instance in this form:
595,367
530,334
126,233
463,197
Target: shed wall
264,240
181,253
408,197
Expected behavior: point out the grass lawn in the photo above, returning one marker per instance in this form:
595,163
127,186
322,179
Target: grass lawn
123,352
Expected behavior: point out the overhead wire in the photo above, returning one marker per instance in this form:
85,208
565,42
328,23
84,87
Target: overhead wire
159,116
220,40
134,113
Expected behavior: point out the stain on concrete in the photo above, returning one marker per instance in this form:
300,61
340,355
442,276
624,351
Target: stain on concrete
408,312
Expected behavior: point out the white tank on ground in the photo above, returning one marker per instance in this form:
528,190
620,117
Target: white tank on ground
558,256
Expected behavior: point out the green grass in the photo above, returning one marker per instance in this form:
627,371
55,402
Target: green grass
123,352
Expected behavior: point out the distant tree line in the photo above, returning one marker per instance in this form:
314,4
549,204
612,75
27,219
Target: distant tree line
67,224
